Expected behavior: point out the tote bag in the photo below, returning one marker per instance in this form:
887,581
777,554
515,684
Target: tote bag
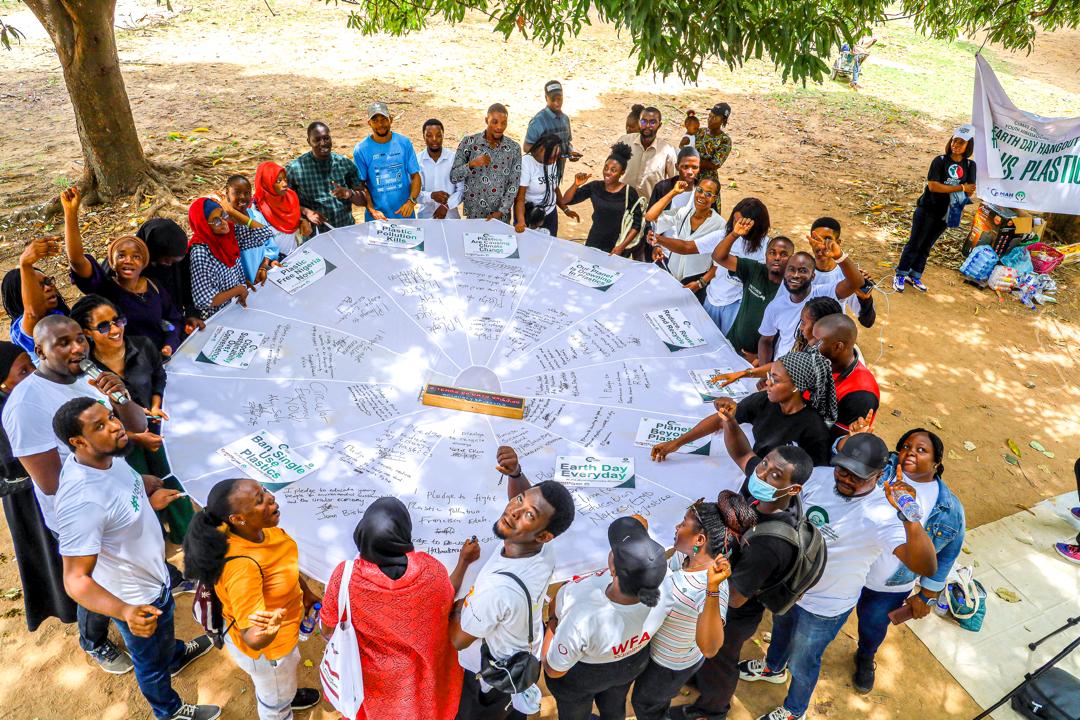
340,671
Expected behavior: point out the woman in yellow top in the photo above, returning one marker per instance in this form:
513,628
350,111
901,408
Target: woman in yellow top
235,545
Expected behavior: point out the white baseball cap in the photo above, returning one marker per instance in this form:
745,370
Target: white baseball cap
964,132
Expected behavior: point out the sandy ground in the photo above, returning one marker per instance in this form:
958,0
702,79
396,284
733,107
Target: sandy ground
956,359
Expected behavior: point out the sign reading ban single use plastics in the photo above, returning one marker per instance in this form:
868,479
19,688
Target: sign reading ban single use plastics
588,471
268,459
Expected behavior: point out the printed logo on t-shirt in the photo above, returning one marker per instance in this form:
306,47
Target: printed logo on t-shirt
819,517
135,489
586,576
630,646
956,172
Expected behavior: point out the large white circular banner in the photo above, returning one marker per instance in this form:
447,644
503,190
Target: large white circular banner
317,388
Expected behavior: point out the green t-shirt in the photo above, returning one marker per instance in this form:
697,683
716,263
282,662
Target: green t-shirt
758,291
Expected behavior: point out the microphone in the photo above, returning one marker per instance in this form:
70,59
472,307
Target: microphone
87,366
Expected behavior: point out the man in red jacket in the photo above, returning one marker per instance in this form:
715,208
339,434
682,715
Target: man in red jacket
857,393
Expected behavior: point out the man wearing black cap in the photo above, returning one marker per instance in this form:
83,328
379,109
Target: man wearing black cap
494,610
859,522
552,120
601,624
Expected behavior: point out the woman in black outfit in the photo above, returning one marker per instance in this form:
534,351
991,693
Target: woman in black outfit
611,200
951,172
169,268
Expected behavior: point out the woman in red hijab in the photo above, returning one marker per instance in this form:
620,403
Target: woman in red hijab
279,205
214,253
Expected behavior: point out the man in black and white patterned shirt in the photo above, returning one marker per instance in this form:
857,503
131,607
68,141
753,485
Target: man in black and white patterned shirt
489,163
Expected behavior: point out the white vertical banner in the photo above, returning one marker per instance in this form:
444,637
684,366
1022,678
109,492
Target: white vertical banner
1024,160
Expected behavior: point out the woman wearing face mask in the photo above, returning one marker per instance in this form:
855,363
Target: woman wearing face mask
694,602
779,414
30,295
615,204
399,605
149,308
169,267
219,233
917,461
40,568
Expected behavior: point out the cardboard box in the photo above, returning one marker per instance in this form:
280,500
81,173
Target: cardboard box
1071,253
994,226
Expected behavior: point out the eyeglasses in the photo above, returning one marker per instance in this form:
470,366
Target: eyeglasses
704,193
771,378
219,220
103,327
649,123
48,281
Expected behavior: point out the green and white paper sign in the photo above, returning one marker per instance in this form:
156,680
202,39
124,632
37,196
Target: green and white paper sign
403,237
588,471
674,329
591,275
267,459
652,431
300,269
490,245
709,390
231,347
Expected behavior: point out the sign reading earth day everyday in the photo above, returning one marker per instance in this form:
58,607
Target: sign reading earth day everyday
268,459
231,347
591,275
674,329
652,431
300,269
490,245
403,237
588,471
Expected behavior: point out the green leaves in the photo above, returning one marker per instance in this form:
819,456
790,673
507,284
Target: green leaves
678,36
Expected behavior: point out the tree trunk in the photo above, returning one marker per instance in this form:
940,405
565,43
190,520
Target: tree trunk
1062,229
82,32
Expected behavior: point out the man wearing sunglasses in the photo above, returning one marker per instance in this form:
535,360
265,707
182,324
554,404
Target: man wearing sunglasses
652,158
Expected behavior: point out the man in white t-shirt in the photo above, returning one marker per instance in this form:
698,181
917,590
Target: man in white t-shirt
28,413
828,273
859,521
439,196
114,552
495,610
781,319
602,623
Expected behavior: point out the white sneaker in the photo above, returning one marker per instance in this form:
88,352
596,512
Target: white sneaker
781,714
753,670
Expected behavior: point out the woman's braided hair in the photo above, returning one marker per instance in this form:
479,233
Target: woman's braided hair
725,521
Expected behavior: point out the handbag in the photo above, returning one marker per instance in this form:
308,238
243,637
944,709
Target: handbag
967,600
340,670
628,223
519,671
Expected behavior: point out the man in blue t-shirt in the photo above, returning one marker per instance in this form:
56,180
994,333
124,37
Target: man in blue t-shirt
388,168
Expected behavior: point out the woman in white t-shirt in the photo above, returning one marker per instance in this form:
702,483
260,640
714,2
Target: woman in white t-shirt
540,185
693,601
602,622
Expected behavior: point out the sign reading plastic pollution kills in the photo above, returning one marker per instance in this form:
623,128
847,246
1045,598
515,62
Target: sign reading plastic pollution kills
404,237
591,275
231,347
300,269
490,245
585,471
674,329
709,390
266,458
651,431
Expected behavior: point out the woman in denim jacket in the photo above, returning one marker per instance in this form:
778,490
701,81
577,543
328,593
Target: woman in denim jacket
889,584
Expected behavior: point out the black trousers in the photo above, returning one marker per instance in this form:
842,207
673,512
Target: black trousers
718,676
607,684
925,231
656,687
478,705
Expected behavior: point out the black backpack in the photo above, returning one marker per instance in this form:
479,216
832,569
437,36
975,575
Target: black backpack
1054,695
810,558
206,608
522,669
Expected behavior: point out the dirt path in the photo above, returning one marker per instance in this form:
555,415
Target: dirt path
983,371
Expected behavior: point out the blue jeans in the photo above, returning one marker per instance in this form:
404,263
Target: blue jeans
873,611
155,656
799,639
723,315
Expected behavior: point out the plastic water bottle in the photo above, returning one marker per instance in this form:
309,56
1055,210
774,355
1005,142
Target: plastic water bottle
909,507
941,605
307,625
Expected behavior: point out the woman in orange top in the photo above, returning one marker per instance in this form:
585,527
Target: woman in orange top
235,545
